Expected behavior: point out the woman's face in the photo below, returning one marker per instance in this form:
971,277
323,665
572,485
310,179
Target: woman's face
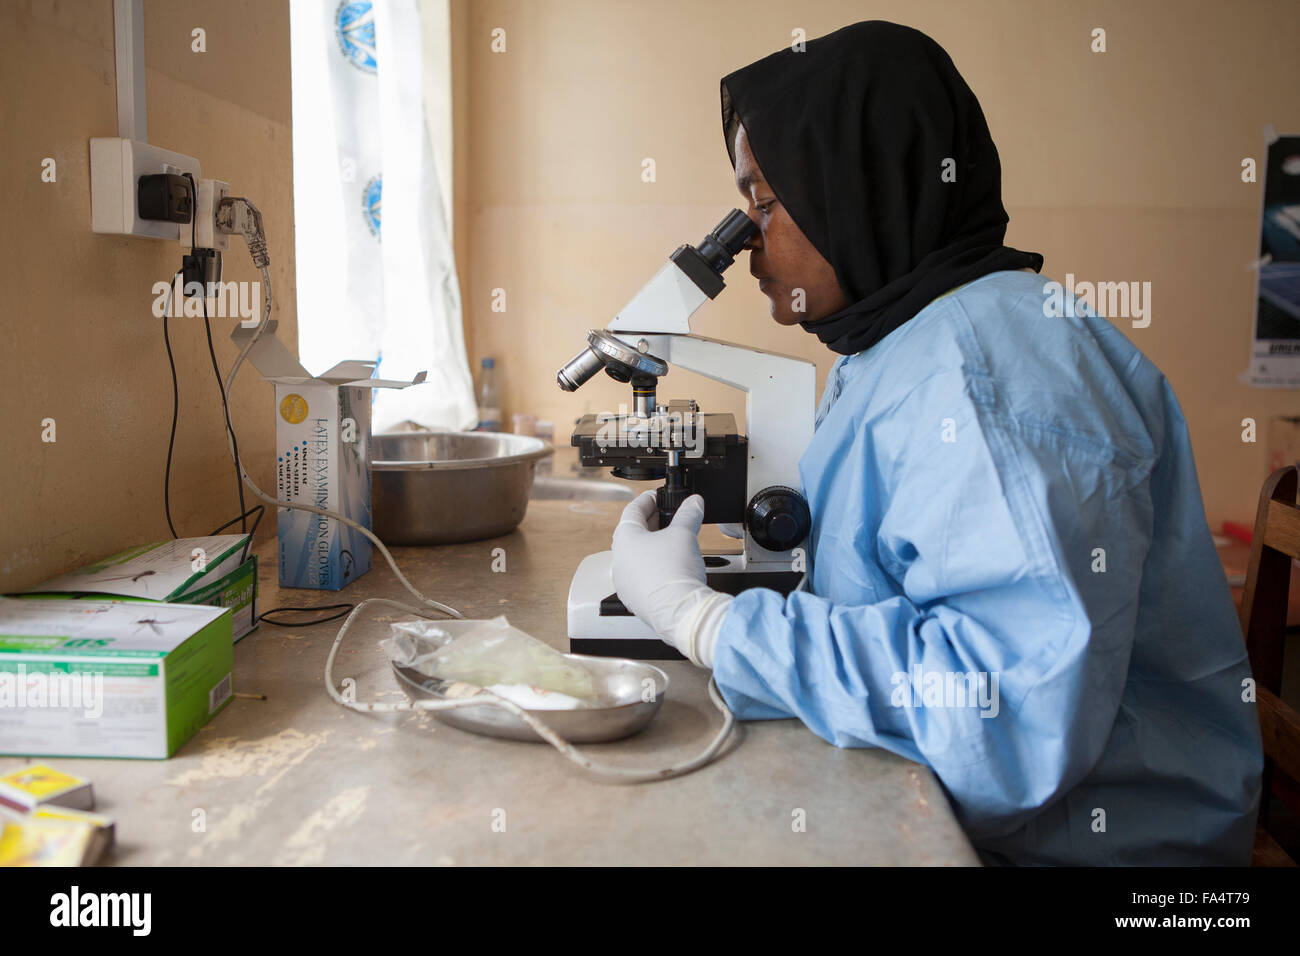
798,281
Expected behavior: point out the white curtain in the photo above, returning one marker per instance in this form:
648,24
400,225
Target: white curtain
375,267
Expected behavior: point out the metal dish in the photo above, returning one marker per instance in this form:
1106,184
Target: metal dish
621,710
431,487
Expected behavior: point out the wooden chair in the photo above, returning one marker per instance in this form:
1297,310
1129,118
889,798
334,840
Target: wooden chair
1275,544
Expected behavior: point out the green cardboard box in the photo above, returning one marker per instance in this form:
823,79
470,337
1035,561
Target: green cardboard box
91,678
210,570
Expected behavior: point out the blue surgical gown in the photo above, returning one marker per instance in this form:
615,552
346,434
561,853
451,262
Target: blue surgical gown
1012,581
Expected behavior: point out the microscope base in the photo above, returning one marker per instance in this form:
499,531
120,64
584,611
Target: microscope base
600,625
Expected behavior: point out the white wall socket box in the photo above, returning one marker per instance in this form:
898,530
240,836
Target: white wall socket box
206,236
116,166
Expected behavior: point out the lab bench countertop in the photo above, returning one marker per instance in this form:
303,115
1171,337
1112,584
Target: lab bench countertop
298,779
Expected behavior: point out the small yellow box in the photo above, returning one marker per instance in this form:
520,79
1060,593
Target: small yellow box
28,787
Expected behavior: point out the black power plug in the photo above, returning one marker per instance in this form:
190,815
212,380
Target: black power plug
165,197
202,266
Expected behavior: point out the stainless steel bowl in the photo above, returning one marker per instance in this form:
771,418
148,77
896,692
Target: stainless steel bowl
620,710
443,487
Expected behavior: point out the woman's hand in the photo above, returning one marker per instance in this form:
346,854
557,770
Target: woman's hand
659,575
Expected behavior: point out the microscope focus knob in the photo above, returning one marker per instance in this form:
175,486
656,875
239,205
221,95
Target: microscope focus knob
778,518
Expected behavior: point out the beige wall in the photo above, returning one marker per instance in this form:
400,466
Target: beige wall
1117,166
79,341
1122,166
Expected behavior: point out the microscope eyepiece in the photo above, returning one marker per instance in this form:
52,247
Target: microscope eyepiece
721,246
734,231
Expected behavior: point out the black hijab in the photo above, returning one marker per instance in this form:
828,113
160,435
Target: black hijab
851,135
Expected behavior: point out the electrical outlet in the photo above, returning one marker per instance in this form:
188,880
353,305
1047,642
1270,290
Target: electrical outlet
116,166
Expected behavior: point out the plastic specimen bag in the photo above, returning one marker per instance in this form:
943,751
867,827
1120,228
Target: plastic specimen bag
495,655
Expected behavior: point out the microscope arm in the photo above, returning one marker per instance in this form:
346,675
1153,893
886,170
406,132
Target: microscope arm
779,401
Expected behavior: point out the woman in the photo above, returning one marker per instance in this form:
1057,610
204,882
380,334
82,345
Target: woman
1011,578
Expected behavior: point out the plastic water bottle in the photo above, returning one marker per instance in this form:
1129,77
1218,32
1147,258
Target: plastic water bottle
489,398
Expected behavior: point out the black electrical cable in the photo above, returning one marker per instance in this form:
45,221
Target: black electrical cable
234,443
216,369
258,510
255,510
194,208
171,362
176,400
346,610
343,609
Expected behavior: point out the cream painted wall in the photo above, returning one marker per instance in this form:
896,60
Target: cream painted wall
1117,166
80,343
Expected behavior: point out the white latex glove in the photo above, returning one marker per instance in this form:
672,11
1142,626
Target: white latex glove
660,577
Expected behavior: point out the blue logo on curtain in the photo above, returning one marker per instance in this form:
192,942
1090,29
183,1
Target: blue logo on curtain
355,25
371,207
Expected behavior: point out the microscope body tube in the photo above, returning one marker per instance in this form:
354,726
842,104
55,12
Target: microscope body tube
666,303
643,395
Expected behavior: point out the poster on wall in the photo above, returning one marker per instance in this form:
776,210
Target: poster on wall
1275,349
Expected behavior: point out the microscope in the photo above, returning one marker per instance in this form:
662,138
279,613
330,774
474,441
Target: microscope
749,483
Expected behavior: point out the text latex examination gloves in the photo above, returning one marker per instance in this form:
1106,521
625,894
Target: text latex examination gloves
659,576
